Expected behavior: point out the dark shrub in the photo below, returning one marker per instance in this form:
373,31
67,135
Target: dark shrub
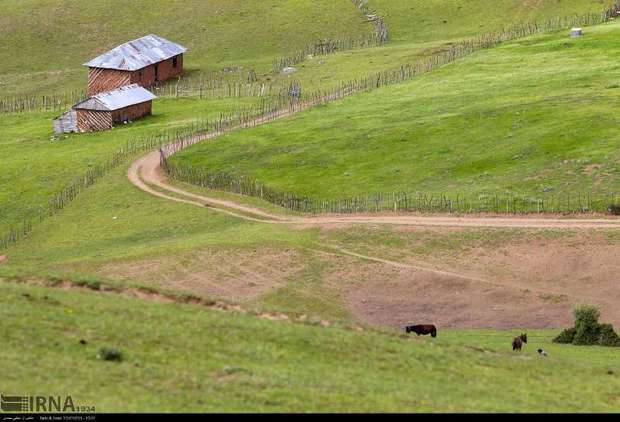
566,336
607,336
614,209
587,330
110,353
586,325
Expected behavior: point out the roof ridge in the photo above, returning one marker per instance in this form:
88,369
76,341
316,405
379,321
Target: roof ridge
137,53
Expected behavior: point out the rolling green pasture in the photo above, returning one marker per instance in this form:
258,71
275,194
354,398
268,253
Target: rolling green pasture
531,117
186,358
113,221
45,42
35,167
419,28
535,116
431,20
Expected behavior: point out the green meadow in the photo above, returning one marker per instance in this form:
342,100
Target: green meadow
46,42
36,164
530,117
185,358
118,267
430,20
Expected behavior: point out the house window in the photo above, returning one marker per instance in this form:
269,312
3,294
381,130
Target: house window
174,61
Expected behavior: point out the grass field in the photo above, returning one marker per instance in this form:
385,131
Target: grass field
534,117
187,358
548,128
431,20
420,27
35,167
233,34
40,54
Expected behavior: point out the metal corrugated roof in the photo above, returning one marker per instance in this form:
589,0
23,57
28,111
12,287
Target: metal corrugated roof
136,54
117,99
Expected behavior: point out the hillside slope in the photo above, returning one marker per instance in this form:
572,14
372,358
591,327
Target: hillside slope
44,43
533,117
186,358
429,20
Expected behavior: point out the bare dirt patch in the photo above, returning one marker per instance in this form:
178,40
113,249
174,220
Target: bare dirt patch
529,281
237,274
383,295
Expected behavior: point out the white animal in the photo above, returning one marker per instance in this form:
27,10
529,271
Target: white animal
542,353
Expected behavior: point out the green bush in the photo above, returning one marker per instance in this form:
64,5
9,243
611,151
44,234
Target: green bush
587,328
614,209
608,337
566,336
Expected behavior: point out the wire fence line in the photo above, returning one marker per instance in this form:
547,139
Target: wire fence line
292,100
206,89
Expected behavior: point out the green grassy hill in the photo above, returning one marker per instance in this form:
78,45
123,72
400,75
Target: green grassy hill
430,20
186,358
531,117
35,167
46,42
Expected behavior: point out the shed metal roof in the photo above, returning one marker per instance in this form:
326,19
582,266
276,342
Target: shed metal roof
136,54
116,99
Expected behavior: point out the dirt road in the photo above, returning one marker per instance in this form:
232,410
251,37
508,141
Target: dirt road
471,298
146,174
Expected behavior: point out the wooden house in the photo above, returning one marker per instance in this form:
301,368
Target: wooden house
144,61
107,109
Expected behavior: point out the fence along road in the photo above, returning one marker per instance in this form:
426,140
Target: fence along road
146,174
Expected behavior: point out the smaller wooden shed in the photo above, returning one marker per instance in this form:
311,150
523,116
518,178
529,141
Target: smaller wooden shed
106,109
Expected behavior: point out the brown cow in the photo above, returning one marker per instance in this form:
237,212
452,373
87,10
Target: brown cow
422,329
517,342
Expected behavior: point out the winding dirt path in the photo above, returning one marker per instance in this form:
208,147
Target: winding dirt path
146,174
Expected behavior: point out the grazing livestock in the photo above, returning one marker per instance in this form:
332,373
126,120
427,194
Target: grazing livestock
542,353
422,329
517,342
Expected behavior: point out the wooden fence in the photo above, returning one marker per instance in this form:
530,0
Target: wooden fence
571,202
52,102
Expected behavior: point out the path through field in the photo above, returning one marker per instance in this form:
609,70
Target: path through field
146,173
484,300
